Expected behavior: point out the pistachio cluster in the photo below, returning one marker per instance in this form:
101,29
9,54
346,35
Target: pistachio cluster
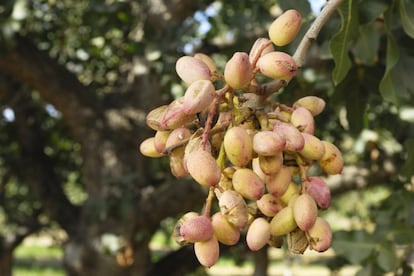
253,154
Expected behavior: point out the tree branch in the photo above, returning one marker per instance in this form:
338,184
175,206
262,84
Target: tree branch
271,87
169,199
179,262
56,85
314,29
36,168
358,177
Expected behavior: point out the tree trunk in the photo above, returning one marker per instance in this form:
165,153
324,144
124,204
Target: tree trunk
88,258
124,198
6,261
177,263
261,262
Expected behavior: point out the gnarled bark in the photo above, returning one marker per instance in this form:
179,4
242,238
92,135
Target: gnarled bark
108,133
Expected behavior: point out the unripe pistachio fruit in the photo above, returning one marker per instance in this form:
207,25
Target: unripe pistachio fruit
234,208
196,229
238,146
269,205
331,161
271,164
277,65
176,232
293,137
320,235
202,166
258,234
285,28
312,103
257,169
225,232
207,60
177,162
195,143
238,71
260,47
268,143
305,211
278,183
297,241
174,116
160,140
302,119
191,69
313,148
198,96
292,191
248,184
317,188
177,136
153,118
207,252
147,148
283,222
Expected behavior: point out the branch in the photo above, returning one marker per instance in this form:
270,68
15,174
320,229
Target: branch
166,13
53,82
271,87
313,31
15,238
169,199
357,178
180,262
36,168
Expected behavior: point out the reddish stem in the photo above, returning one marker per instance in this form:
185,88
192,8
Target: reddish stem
211,113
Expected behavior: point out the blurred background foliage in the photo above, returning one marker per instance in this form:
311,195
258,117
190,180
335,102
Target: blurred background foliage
362,65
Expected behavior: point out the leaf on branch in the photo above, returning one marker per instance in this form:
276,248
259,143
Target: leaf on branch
387,259
355,246
366,270
367,45
339,43
408,168
388,85
302,6
406,9
346,92
368,11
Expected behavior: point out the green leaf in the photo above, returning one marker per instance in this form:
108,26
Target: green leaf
365,271
406,9
302,6
388,85
353,91
366,46
408,168
355,246
370,10
387,259
339,43
402,235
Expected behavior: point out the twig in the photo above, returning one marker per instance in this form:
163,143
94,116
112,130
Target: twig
209,201
314,29
211,113
273,86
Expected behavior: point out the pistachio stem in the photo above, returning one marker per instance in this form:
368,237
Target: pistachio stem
209,201
211,113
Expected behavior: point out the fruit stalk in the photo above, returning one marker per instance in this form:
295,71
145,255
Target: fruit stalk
209,201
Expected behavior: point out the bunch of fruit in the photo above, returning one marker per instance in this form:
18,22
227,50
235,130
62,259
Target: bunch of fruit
253,154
